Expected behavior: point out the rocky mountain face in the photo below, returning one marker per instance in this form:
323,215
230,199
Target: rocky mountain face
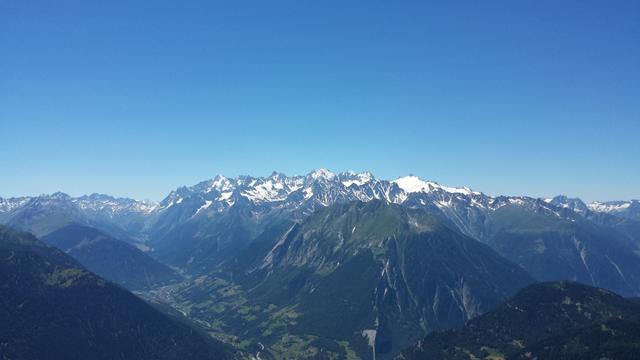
559,244
112,259
366,277
54,309
565,202
559,320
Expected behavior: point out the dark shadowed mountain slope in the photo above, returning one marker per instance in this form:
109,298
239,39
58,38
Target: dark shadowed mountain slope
612,339
51,308
560,320
110,258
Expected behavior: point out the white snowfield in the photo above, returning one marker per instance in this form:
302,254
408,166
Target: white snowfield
609,207
413,184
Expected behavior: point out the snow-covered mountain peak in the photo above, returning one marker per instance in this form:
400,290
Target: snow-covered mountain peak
277,176
349,178
574,204
413,184
57,196
269,189
609,207
321,174
220,183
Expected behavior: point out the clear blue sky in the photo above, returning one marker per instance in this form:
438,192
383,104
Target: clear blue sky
135,98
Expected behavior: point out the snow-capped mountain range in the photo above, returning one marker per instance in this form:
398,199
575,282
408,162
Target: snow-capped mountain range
199,227
318,188
323,188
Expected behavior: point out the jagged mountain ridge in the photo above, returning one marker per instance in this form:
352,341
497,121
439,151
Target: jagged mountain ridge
302,193
196,227
278,188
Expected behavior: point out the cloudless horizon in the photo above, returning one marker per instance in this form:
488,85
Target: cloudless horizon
137,98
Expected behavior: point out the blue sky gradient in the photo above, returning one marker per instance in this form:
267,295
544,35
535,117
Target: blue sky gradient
135,98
